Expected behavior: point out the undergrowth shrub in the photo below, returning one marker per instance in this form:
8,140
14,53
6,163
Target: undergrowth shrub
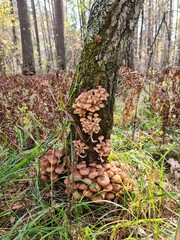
32,107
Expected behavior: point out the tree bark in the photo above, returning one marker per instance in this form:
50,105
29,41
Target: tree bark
59,30
109,32
36,32
28,66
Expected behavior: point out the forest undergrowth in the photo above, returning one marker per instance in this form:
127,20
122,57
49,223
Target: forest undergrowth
145,139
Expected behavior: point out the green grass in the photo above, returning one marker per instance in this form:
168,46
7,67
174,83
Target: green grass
31,209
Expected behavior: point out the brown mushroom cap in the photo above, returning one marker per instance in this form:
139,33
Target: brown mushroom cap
50,169
116,187
87,181
44,177
52,161
88,193
84,171
93,174
54,176
110,173
106,165
98,166
114,169
100,171
82,186
59,170
116,179
92,164
81,165
76,175
97,199
110,196
123,175
108,188
95,187
103,181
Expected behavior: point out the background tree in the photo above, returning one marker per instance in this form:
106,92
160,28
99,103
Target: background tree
59,31
28,66
109,32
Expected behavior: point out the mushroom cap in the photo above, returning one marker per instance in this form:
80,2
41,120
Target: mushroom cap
76,175
95,187
92,164
98,166
81,165
97,199
53,160
103,181
109,173
84,171
54,176
93,174
110,196
44,178
100,171
106,165
108,188
87,181
87,193
116,179
116,187
123,175
50,169
114,169
82,186
59,170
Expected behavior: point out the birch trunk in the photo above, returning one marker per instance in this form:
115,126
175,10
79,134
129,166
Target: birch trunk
109,32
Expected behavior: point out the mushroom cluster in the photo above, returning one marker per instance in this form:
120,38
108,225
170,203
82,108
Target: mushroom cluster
103,148
98,181
51,165
90,101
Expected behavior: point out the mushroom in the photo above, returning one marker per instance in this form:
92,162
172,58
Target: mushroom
44,177
97,199
54,176
93,174
59,170
116,187
108,188
109,173
87,181
95,187
106,165
103,181
116,179
123,175
88,193
110,196
84,171
82,186
81,165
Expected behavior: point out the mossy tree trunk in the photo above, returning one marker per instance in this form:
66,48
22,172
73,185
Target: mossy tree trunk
109,31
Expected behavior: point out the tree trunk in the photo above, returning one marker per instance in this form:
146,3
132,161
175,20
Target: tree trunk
28,66
59,30
109,32
36,32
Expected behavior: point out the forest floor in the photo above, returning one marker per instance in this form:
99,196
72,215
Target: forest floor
32,209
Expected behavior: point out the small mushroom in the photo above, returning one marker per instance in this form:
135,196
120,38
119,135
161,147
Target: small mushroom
52,160
110,196
97,199
59,170
95,187
54,176
116,187
108,188
88,193
106,165
87,181
82,186
103,181
123,175
116,179
44,177
110,173
84,171
50,169
81,165
93,174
